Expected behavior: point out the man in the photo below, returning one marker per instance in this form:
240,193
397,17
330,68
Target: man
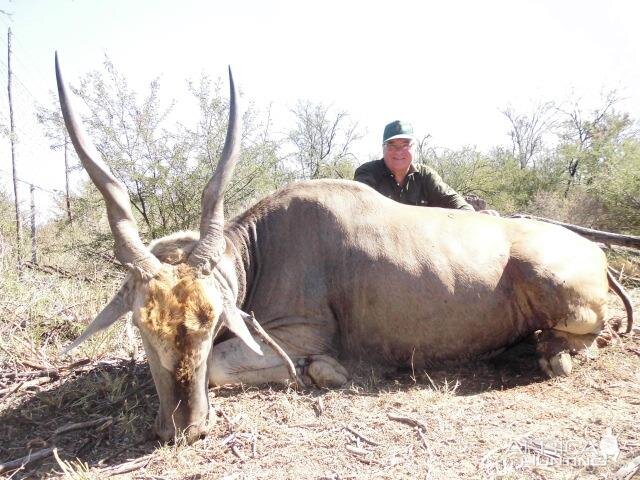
397,177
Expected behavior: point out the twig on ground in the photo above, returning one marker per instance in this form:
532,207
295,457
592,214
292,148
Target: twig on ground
236,452
24,385
55,270
121,450
49,372
26,460
36,382
68,307
254,445
428,449
7,392
269,341
36,378
99,422
127,467
367,460
420,428
627,278
361,436
77,363
229,438
628,470
407,420
35,365
357,450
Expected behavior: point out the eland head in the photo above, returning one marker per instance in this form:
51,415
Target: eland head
177,303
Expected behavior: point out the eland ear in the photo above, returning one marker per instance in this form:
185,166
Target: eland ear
114,310
232,317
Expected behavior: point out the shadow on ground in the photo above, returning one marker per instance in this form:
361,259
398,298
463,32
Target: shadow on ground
515,367
119,391
123,391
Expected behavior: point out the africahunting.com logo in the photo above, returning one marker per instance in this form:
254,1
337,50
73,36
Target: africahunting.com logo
528,452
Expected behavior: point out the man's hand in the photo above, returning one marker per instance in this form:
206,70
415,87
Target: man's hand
493,213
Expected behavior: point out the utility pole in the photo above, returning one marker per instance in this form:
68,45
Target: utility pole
66,177
13,152
34,250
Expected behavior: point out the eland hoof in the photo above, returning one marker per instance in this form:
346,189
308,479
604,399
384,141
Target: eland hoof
326,372
559,365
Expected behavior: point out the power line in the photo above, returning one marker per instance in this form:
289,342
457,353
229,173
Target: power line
26,66
26,182
21,82
25,52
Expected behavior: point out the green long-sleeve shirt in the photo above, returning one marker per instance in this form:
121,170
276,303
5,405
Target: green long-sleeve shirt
423,186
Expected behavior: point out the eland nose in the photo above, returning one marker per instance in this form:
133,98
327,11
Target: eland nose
167,433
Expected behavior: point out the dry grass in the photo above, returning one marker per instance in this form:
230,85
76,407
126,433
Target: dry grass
481,420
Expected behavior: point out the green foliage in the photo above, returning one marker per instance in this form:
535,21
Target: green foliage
578,206
586,146
130,135
259,169
467,170
589,176
163,165
617,185
322,142
497,177
7,230
564,163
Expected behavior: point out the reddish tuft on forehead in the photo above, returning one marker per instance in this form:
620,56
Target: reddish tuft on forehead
177,305
178,310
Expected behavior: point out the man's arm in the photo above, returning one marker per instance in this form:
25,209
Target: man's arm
439,194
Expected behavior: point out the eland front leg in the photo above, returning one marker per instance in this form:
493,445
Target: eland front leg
231,362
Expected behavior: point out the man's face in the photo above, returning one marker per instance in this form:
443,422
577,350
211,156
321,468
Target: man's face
398,155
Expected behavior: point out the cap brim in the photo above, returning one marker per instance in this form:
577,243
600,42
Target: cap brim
402,135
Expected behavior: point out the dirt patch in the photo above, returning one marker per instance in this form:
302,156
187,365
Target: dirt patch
494,419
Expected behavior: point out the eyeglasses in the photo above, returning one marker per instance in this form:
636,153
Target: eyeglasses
399,146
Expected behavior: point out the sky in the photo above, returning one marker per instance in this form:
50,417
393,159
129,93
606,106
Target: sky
449,67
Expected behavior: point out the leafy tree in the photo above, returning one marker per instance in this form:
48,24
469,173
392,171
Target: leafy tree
528,131
617,185
516,187
260,168
587,141
467,170
165,166
128,133
322,142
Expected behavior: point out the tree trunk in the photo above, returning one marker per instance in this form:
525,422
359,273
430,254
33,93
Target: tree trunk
13,153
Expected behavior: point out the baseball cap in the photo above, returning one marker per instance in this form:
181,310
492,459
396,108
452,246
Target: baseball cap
397,129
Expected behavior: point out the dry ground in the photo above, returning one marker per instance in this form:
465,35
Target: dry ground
495,419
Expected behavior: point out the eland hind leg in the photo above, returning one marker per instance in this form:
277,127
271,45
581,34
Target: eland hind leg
577,334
